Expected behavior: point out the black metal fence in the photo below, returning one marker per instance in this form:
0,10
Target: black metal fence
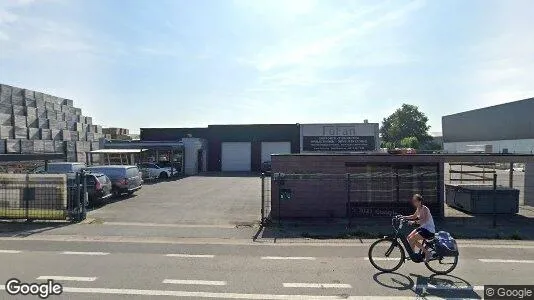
371,194
43,197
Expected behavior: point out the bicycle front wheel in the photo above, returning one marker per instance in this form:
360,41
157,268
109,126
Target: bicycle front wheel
386,255
442,265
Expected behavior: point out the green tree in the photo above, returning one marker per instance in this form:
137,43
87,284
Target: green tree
410,142
407,125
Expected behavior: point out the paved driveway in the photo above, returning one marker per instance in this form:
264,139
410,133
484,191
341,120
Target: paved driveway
217,200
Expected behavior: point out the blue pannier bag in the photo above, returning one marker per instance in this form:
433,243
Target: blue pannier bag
446,244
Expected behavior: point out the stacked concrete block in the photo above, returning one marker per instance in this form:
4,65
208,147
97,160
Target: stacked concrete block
12,146
117,133
34,134
6,132
35,122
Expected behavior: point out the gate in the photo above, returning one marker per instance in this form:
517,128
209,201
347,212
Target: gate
375,193
43,196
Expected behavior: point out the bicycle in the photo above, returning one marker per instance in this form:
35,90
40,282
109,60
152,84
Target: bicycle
389,250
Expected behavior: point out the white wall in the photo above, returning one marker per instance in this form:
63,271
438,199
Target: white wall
191,147
513,146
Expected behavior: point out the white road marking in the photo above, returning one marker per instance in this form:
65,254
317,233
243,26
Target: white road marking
191,255
239,242
10,251
84,253
227,226
194,282
288,257
518,261
67,278
135,292
383,258
448,287
317,285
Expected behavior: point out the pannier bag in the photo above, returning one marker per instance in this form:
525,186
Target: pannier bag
446,244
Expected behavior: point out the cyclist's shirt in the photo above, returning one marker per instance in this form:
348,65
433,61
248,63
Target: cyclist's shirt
426,221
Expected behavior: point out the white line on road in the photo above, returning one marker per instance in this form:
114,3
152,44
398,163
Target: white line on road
10,251
506,261
194,282
110,291
448,287
288,257
67,278
317,285
84,253
190,255
224,226
383,258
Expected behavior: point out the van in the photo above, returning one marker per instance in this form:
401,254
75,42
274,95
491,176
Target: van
124,179
64,167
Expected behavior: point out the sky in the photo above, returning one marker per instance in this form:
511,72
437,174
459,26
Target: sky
185,63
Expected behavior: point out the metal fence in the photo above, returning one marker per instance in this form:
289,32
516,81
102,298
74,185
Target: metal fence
43,196
293,196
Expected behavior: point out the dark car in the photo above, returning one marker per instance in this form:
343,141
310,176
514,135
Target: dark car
99,187
266,167
124,179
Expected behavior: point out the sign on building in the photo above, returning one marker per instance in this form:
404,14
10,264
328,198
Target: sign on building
354,137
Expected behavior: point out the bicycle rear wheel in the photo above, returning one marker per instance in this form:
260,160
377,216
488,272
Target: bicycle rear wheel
386,255
442,265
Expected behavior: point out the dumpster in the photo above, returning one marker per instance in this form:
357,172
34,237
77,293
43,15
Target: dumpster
478,199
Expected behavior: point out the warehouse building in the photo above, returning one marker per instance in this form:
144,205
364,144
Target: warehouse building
504,128
34,122
246,147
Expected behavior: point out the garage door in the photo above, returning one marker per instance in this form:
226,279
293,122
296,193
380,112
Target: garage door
235,156
268,148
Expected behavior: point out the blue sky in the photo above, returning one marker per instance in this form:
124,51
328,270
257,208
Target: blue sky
191,63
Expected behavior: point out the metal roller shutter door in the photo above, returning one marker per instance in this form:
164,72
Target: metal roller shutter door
236,156
268,148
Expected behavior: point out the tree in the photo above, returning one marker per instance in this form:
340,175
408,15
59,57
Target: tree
406,126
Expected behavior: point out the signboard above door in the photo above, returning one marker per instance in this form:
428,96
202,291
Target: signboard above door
354,137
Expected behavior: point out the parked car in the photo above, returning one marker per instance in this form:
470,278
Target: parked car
99,187
266,167
176,166
64,167
155,171
124,179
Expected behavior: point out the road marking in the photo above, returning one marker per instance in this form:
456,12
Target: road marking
234,242
84,253
506,261
67,278
383,258
317,285
288,257
111,291
10,251
194,282
226,226
449,287
191,255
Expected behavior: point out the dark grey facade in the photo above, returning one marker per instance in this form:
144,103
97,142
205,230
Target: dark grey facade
509,121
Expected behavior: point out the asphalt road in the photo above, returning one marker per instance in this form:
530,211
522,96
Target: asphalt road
218,200
248,270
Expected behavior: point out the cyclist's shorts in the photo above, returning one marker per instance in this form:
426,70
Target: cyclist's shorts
425,233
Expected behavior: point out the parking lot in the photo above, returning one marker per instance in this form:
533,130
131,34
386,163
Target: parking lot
212,199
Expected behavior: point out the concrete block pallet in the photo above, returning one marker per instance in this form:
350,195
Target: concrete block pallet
35,122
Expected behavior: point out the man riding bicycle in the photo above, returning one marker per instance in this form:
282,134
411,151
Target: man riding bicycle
426,229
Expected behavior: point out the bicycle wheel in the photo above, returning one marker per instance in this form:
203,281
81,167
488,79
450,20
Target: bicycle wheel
442,265
386,255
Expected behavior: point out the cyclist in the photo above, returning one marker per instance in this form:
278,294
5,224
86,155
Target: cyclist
426,229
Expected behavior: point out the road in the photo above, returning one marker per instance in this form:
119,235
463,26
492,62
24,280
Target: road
240,269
